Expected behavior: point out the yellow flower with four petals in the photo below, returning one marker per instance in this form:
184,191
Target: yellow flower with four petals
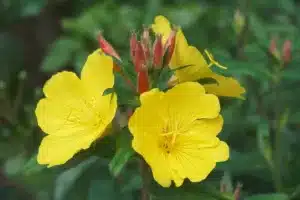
74,112
186,55
175,132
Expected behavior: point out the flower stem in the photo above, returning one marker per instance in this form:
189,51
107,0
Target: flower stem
145,178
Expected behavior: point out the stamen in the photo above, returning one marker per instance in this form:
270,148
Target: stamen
213,61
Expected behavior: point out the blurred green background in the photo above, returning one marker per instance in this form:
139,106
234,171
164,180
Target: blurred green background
39,38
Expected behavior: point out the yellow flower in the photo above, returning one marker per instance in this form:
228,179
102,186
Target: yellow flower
186,55
176,133
74,113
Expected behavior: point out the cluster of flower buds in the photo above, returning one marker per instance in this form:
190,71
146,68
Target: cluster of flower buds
285,55
145,55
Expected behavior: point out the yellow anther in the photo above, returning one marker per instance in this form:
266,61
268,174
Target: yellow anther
213,61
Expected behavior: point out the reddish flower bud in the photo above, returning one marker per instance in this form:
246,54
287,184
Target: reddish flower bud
139,58
146,43
273,45
237,191
273,48
286,51
133,42
146,36
107,47
143,81
158,52
170,46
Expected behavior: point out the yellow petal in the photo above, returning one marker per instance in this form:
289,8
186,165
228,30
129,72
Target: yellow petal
56,117
176,178
219,153
58,150
189,102
97,73
147,145
161,170
211,127
189,164
162,26
198,67
141,120
63,85
227,86
180,56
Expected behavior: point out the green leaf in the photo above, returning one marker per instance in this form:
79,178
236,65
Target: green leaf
291,74
243,163
275,196
126,94
101,189
123,153
264,141
108,91
132,181
65,181
32,166
164,76
80,58
32,7
14,164
59,54
259,30
189,191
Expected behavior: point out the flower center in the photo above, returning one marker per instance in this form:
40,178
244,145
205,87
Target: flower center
168,139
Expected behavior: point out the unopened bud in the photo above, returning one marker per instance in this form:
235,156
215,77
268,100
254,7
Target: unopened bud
286,51
146,36
143,81
146,43
107,47
139,58
133,43
238,21
170,46
273,48
237,191
158,52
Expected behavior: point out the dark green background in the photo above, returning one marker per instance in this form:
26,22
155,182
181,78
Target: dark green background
39,38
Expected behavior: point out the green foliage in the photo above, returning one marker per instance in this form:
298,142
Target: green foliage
262,131
123,153
60,53
268,197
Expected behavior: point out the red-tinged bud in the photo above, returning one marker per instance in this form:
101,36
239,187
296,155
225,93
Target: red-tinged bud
146,36
139,58
273,48
223,187
237,191
170,46
133,43
273,45
286,51
143,81
107,47
158,52
146,43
